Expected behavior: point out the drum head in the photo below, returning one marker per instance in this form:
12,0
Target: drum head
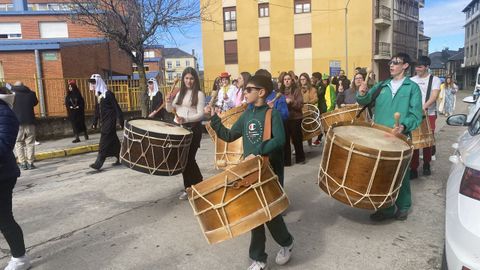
158,127
371,137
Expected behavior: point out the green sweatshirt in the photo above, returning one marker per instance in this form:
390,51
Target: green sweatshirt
250,126
407,101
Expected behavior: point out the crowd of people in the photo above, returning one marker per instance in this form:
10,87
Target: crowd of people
282,98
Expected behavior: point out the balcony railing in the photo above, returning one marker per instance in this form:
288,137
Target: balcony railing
383,49
383,12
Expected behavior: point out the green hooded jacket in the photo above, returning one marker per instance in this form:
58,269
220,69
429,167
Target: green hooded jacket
407,101
250,127
326,98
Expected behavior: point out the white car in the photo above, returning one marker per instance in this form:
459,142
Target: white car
462,215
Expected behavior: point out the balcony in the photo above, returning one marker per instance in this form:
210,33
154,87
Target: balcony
383,17
421,3
383,51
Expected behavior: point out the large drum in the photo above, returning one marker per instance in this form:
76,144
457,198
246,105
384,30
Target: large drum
363,164
237,200
155,147
344,114
227,154
311,126
423,136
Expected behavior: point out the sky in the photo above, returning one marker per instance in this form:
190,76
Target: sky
443,20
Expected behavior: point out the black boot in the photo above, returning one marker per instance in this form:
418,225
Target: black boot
116,163
426,169
86,135
77,139
98,163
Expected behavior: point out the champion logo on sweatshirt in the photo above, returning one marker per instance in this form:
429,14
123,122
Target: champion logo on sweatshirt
255,131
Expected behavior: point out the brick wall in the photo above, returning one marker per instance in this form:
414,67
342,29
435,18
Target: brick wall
82,61
31,29
18,64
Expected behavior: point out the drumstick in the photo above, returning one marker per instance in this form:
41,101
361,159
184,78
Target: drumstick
396,116
213,96
277,96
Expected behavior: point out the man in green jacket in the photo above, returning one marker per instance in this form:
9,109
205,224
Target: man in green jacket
397,94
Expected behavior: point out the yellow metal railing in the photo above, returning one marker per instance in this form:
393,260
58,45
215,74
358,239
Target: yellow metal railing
127,93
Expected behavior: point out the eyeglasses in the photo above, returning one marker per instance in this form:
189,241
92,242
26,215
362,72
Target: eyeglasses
395,62
249,89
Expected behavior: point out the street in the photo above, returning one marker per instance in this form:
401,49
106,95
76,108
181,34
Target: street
75,218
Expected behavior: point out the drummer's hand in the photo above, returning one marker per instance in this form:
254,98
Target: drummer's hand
180,120
425,108
151,115
397,130
363,88
218,110
176,80
207,109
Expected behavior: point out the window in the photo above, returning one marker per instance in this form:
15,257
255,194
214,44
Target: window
263,10
169,64
170,76
10,31
231,54
229,19
6,7
187,63
179,75
264,44
303,41
149,54
302,6
177,63
53,30
135,68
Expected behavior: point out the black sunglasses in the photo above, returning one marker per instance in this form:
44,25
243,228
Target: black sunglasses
249,89
395,62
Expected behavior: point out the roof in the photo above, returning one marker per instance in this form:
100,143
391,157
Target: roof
439,59
46,44
457,57
154,46
149,75
175,53
469,5
36,13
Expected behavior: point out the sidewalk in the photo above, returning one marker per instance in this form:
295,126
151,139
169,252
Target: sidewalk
64,147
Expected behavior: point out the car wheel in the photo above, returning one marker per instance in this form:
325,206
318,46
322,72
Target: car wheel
444,261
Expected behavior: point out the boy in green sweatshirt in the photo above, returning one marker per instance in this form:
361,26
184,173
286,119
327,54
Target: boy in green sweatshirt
250,126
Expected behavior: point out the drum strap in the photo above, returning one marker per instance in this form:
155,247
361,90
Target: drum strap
429,88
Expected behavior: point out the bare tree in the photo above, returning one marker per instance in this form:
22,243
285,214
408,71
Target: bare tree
133,24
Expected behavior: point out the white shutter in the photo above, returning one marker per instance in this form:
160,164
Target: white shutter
53,30
10,28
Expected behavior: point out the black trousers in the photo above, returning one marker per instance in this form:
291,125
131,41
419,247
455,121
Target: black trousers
279,232
191,174
8,226
293,132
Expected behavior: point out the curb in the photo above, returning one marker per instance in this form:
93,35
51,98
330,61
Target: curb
66,152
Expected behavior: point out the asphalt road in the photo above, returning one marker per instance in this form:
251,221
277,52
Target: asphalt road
74,218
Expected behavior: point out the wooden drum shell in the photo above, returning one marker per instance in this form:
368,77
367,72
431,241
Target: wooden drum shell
152,152
227,154
345,114
423,136
225,211
366,185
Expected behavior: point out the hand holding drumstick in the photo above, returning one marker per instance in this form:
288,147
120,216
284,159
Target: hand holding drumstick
397,129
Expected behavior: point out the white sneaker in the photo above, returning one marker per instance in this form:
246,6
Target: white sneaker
37,143
257,266
293,152
434,158
183,195
22,263
284,254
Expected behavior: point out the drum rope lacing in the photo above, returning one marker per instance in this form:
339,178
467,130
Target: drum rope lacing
255,186
309,120
181,152
392,194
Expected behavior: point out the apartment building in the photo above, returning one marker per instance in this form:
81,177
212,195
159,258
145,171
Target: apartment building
472,41
308,35
176,61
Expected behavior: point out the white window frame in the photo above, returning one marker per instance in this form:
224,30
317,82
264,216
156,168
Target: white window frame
11,30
